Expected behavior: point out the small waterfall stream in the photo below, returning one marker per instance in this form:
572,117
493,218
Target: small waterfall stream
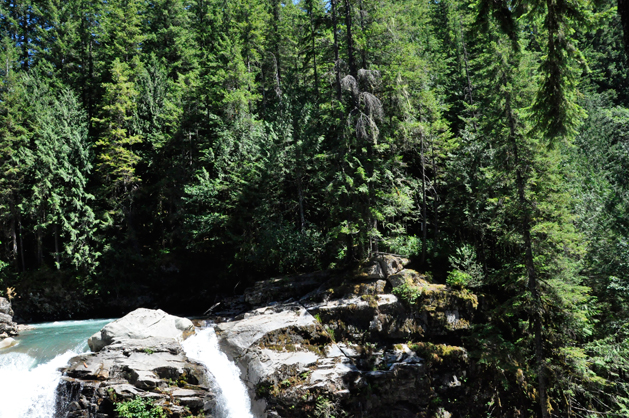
233,399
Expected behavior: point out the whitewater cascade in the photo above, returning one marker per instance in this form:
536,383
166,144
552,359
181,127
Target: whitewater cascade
29,392
29,371
232,397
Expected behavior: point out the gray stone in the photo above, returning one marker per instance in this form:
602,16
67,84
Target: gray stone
7,319
391,264
406,276
142,324
236,337
145,363
373,270
5,307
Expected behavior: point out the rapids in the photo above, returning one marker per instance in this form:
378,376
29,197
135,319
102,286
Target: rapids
29,371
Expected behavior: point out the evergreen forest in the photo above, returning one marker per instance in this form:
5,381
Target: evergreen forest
174,147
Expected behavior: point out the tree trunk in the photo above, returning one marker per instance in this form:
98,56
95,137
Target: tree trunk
350,40
302,218
336,51
40,249
531,272
278,69
424,225
435,202
57,258
314,50
14,245
363,52
19,223
623,11
470,87
25,42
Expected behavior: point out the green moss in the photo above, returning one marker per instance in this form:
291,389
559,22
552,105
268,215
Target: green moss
437,353
371,300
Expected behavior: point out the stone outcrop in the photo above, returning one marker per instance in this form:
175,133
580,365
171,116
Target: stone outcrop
142,324
382,266
284,288
8,328
139,355
352,347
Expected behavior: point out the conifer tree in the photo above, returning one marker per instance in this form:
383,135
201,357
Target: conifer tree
116,157
13,138
59,202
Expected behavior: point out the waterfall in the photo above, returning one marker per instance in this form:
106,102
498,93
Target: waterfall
26,392
29,371
233,398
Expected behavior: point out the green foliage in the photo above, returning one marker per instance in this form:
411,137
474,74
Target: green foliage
406,245
141,142
468,272
458,278
324,408
140,408
408,293
281,246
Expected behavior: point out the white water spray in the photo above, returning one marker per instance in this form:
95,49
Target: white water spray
233,399
29,393
29,371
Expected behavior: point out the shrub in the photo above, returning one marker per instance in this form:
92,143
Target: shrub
140,408
467,271
458,278
408,293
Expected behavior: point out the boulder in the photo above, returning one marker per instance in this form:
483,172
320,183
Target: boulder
406,276
373,270
238,336
293,361
7,342
5,307
284,288
142,324
139,355
390,263
7,326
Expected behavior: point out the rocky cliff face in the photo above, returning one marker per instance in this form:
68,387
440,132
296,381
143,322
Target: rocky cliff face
374,343
8,328
139,355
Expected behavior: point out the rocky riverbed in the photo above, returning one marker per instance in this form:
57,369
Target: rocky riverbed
366,344
380,341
